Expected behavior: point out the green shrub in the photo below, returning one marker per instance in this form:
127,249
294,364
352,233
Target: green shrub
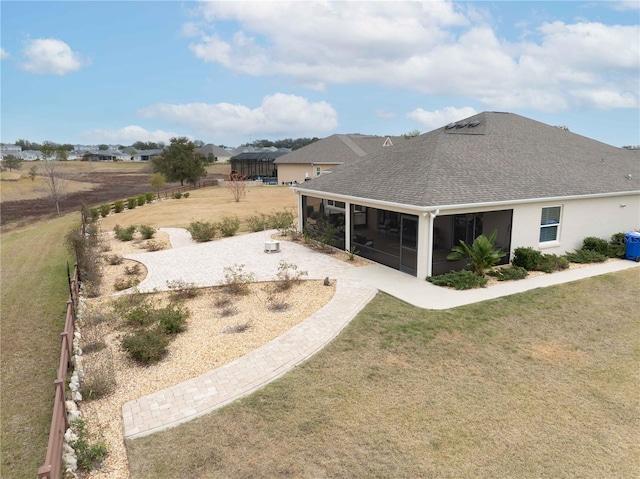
150,196
229,226
258,222
147,231
459,280
118,206
527,258
142,200
551,262
105,210
598,245
95,213
202,231
146,346
586,256
617,247
124,234
509,274
186,195
282,220
172,319
87,454
236,280
132,203
480,255
177,195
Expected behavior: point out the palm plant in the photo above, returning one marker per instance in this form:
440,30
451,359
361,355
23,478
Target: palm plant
481,255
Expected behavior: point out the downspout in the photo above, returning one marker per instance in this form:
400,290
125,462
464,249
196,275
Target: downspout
432,217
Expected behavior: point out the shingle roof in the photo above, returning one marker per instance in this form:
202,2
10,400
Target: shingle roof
262,155
337,149
506,157
216,150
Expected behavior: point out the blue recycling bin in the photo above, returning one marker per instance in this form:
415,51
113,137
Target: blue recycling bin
632,246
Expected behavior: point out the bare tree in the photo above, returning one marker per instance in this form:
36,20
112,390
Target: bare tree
236,185
55,181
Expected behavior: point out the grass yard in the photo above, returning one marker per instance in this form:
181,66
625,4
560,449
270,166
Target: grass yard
539,384
33,299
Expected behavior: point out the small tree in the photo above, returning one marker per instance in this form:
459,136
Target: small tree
12,162
236,185
55,182
158,181
33,172
480,255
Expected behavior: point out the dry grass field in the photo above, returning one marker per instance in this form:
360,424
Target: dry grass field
540,384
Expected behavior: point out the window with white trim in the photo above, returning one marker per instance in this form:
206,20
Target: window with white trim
317,171
550,224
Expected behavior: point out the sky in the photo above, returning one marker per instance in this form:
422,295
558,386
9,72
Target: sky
230,72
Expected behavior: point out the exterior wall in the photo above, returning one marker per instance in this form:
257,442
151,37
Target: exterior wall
297,172
600,217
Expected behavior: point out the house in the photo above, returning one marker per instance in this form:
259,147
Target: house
323,155
106,155
220,154
537,185
257,163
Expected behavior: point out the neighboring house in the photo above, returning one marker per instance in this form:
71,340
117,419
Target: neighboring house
537,185
257,164
147,155
30,155
323,155
107,155
10,149
220,154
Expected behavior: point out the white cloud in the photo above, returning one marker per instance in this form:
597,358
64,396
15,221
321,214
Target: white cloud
128,135
4,54
278,115
624,6
385,114
50,56
434,47
430,120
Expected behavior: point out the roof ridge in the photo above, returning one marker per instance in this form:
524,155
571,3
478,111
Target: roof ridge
352,145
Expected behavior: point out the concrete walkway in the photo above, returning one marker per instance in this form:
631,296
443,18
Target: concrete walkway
203,264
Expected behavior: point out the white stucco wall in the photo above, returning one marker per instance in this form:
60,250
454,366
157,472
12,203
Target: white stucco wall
297,172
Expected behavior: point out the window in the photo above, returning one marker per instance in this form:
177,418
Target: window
550,224
317,171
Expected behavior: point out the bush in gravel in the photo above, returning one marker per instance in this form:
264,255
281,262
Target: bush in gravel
527,258
95,213
288,275
237,328
276,298
124,303
172,319
551,262
459,280
114,259
124,234
142,200
509,274
99,375
120,284
221,301
105,210
147,231
132,203
155,245
150,196
229,226
118,206
180,289
139,315
146,346
258,222
132,270
236,280
202,231
88,454
598,245
586,256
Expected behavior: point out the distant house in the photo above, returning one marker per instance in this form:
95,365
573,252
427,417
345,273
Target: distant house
323,155
220,154
257,164
537,185
10,149
106,155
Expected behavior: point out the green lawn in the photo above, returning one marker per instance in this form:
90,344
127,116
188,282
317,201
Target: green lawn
540,384
33,306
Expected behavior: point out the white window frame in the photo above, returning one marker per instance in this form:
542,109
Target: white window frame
550,224
318,171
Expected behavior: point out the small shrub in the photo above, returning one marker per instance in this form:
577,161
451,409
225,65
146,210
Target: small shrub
352,252
276,298
120,284
527,258
147,231
155,245
180,289
118,206
509,274
177,195
123,304
258,222
583,256
124,234
95,213
288,275
598,245
146,346
105,210
222,301
114,259
202,231
237,328
186,195
132,270
459,280
282,221
150,196
142,200
132,203
551,262
172,319
99,376
140,315
236,280
87,454
228,311
229,226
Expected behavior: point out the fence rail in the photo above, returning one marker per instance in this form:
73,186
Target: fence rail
52,467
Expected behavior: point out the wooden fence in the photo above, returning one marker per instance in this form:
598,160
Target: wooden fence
52,467
181,189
